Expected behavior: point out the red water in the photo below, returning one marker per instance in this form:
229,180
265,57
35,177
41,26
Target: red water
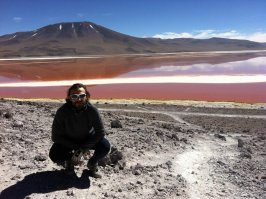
248,93
112,67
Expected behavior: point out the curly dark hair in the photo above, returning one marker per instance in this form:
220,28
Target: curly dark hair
75,87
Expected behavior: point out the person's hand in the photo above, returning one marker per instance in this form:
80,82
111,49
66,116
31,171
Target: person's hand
76,158
86,154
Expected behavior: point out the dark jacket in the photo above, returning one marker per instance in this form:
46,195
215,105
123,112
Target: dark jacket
77,128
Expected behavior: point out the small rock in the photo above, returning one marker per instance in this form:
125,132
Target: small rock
174,136
139,182
113,158
24,167
221,163
169,164
159,133
220,136
262,137
18,124
240,143
184,140
136,172
8,115
249,150
16,177
245,155
19,103
116,124
140,121
160,189
70,193
232,171
40,157
264,186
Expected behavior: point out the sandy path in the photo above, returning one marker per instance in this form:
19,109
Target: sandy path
196,165
176,115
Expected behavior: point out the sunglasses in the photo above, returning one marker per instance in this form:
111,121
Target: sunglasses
78,96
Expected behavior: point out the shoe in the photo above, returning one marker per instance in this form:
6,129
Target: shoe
94,174
93,169
68,167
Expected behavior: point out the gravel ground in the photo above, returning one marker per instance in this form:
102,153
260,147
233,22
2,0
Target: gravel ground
158,151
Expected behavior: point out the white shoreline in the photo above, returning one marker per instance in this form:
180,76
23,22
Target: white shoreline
140,54
193,103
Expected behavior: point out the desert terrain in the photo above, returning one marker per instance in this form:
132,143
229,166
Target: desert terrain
160,150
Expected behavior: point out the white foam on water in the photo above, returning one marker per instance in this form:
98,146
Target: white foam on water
214,79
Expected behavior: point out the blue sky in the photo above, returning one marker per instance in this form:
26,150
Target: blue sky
240,19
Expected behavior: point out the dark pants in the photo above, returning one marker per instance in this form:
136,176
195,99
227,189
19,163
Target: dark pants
59,153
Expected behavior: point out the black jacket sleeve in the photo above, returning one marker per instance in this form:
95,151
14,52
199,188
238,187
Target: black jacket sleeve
58,135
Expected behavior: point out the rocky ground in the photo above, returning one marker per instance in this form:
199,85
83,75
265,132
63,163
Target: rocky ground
158,151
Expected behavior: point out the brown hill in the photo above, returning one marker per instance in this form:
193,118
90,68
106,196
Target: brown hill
87,38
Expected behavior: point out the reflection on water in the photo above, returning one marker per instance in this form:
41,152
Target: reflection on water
129,74
255,66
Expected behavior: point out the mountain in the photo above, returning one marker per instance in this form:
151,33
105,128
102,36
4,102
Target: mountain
87,38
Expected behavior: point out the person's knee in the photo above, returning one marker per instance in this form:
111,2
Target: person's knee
103,147
58,153
52,155
106,147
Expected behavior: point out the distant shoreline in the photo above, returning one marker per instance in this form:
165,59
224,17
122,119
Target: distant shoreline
145,101
129,55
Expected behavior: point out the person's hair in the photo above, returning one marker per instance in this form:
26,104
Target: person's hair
76,87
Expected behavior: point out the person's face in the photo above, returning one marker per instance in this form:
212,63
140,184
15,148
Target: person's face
78,97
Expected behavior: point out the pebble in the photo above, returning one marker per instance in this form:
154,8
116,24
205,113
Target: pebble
220,137
245,155
116,124
8,115
240,143
40,158
175,137
221,163
18,124
24,167
136,172
264,186
16,177
70,193
184,140
160,189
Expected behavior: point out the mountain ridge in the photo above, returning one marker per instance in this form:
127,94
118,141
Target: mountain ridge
88,38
